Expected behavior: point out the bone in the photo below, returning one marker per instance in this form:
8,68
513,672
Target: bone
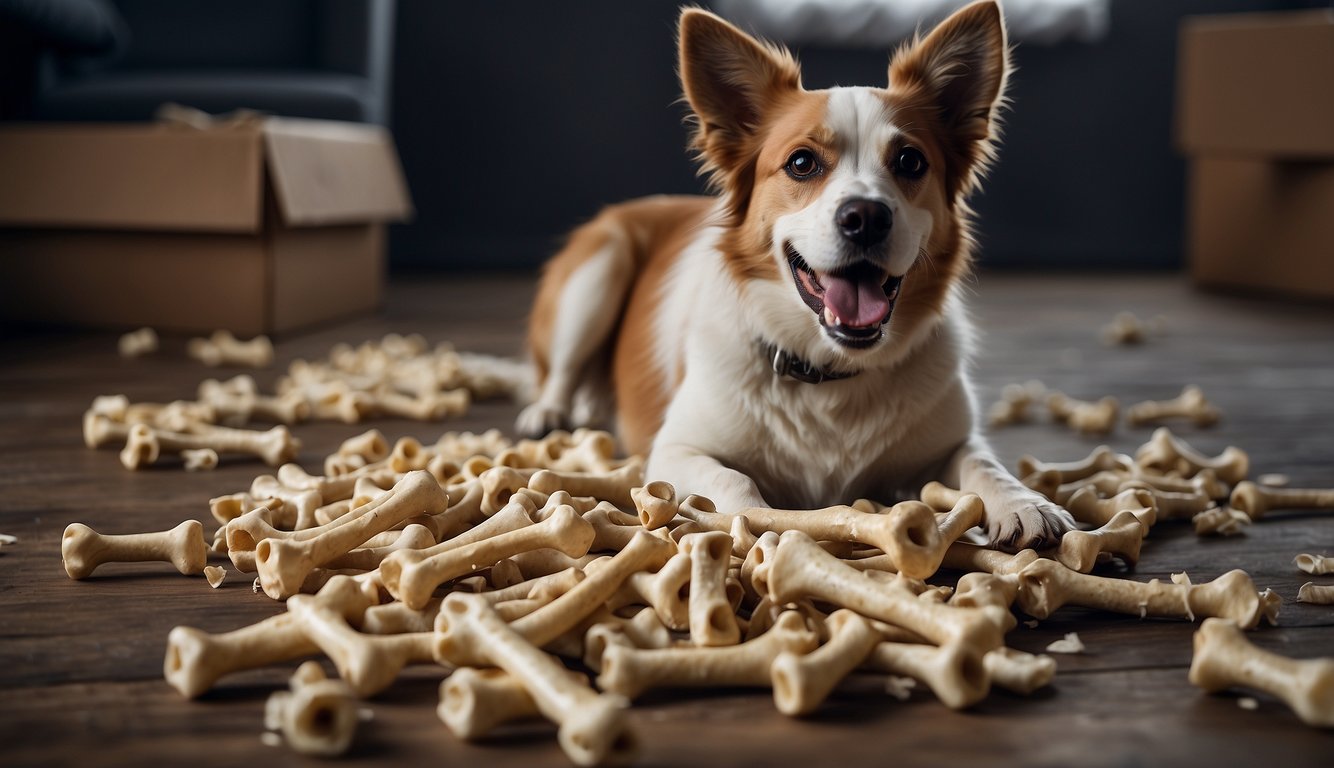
608,534
499,484
907,533
316,716
1256,500
144,444
215,574
956,674
594,729
283,564
799,568
1012,408
631,672
1316,565
1224,658
643,630
1121,536
614,486
712,621
939,496
1090,418
1191,405
1143,503
412,575
100,430
138,343
1164,452
1319,594
222,348
370,445
474,701
990,593
666,592
227,508
369,663
1045,585
202,459
1220,521
369,557
1102,458
1126,328
802,681
196,660
427,406
1017,671
237,402
84,549
970,557
655,502
589,451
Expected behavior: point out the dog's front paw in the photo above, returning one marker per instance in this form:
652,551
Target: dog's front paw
1027,521
540,419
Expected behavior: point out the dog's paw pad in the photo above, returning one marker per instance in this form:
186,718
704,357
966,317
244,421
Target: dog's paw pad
1029,523
540,419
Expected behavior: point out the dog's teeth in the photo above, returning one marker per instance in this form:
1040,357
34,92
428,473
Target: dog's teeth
829,317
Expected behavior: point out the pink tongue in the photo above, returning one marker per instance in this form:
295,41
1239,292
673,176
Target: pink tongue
857,303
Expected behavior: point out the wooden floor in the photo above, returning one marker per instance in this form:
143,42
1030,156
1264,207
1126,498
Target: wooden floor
80,662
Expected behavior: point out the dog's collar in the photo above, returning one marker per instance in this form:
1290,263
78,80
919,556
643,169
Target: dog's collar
785,363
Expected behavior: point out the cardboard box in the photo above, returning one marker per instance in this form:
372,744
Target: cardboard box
258,227
1255,115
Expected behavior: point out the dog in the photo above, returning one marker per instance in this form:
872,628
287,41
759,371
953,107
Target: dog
800,338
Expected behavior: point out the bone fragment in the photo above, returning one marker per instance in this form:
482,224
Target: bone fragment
1165,452
317,716
1045,585
1321,594
1017,671
84,549
1068,644
1256,500
1224,658
1191,405
200,459
630,672
1220,521
215,575
138,343
222,348
801,681
594,729
1316,565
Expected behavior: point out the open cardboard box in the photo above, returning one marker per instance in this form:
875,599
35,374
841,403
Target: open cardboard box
1255,114
257,226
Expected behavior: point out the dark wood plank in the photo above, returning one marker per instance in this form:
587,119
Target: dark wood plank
80,662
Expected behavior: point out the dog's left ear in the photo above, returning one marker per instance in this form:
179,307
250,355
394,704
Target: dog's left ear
961,68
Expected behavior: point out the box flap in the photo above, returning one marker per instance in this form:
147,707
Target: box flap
328,172
130,176
1257,84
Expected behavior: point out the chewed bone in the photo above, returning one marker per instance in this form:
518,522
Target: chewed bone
84,549
369,663
1315,565
1045,585
957,675
907,533
284,563
801,681
144,444
594,729
317,716
1225,658
800,568
630,672
195,660
412,575
1256,500
1190,405
222,348
1165,452
1121,536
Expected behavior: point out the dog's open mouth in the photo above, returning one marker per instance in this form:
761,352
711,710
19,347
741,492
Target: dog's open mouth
852,304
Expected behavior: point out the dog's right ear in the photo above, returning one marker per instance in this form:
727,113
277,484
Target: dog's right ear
729,78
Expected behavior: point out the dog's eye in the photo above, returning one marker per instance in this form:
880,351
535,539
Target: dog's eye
802,164
910,162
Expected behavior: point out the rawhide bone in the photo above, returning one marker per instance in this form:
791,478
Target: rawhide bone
613,486
1256,500
1102,458
369,663
284,564
474,701
195,659
1121,536
1164,452
1190,405
593,727
1225,658
84,549
907,533
801,681
956,674
316,715
1045,586
712,621
1096,418
222,348
144,444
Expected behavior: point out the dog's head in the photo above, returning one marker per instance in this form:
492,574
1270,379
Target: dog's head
846,206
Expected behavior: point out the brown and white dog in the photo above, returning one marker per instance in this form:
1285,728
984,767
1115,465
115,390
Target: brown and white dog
800,340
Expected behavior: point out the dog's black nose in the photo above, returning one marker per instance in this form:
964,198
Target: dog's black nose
864,222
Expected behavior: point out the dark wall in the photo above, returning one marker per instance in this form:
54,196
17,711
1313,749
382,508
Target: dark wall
517,122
